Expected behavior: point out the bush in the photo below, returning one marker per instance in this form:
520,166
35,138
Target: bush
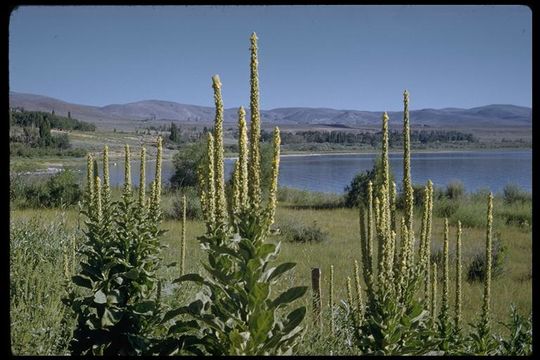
445,208
476,271
61,189
455,190
193,205
186,162
300,233
513,193
356,192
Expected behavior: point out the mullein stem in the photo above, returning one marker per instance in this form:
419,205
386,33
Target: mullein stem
331,299
243,158
221,206
487,280
407,186
127,171
433,302
183,240
255,157
457,320
142,180
272,198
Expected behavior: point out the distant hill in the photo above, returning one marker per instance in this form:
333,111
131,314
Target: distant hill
494,116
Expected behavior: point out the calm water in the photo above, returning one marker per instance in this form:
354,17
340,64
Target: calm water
331,173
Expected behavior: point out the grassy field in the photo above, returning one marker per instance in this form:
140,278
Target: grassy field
37,323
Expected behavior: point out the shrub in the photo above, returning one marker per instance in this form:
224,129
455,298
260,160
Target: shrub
476,270
512,193
356,191
455,190
300,233
445,208
61,189
186,162
193,205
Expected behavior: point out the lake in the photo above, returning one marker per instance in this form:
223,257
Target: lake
331,173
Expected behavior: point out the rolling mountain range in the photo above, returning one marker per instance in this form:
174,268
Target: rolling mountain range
494,116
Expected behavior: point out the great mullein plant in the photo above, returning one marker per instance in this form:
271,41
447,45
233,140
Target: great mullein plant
115,301
236,311
481,339
395,316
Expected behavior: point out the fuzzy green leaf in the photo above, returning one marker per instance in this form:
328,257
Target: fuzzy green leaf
289,296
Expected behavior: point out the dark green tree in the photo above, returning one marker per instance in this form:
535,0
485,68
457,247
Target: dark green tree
174,136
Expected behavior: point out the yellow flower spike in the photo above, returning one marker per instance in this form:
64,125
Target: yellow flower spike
183,240
272,198
254,156
221,206
142,180
407,185
127,170
444,301
359,299
210,182
331,299
243,158
236,202
433,302
97,196
157,176
457,319
89,179
487,278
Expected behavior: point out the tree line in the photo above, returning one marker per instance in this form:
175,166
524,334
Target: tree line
21,117
371,138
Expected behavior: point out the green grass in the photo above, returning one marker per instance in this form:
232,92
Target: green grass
340,250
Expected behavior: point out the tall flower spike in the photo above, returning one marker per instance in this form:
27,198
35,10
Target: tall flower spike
385,165
331,299
106,184
183,242
89,180
487,279
444,301
393,196
433,301
221,206
427,244
370,222
210,182
457,320
142,180
407,186
243,157
236,203
353,310
254,185
127,171
97,196
359,301
272,198
157,177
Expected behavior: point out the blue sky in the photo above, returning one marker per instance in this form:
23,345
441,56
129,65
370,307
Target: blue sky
343,57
